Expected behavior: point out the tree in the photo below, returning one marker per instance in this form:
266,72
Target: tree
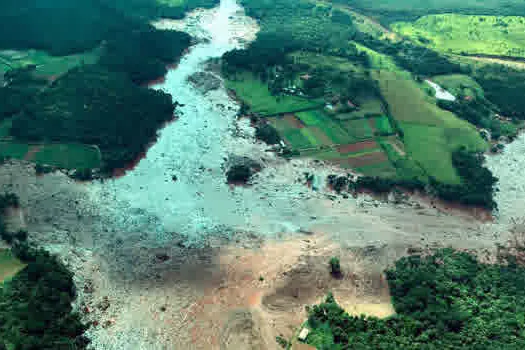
335,266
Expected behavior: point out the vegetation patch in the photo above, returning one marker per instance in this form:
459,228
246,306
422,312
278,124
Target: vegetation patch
358,129
9,265
459,85
445,300
46,65
256,95
390,11
468,35
382,125
90,105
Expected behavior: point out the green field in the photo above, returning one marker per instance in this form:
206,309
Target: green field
430,134
257,96
9,265
382,170
462,34
382,125
46,65
368,106
66,156
389,11
330,127
379,60
358,129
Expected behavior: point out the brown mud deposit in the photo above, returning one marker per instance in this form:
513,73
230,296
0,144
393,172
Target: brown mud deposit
162,79
230,294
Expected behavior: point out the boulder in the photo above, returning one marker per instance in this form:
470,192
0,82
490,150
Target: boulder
241,169
204,81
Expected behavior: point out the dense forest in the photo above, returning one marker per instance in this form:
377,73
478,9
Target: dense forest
447,300
95,106
503,86
151,9
35,310
35,305
99,104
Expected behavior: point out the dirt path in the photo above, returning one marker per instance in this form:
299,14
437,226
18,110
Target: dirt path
509,63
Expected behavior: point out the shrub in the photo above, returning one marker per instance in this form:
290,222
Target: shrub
335,266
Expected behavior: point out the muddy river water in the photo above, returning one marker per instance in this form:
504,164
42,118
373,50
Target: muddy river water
194,149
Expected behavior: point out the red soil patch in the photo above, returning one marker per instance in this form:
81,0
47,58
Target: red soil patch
30,155
161,80
320,135
293,121
157,81
364,160
357,147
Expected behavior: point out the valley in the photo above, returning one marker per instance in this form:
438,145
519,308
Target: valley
372,165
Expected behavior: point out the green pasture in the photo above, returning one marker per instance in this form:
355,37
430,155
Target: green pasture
46,65
256,95
465,34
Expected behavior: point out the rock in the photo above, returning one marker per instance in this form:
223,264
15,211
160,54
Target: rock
162,257
88,287
241,169
104,304
204,81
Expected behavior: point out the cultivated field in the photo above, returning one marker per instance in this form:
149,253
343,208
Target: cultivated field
257,96
66,156
351,143
430,134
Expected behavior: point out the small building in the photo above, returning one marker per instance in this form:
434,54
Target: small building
305,76
303,334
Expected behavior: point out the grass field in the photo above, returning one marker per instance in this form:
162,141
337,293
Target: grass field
382,125
255,94
462,34
459,84
9,265
46,65
359,128
330,127
430,134
379,60
66,156
368,106
388,11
